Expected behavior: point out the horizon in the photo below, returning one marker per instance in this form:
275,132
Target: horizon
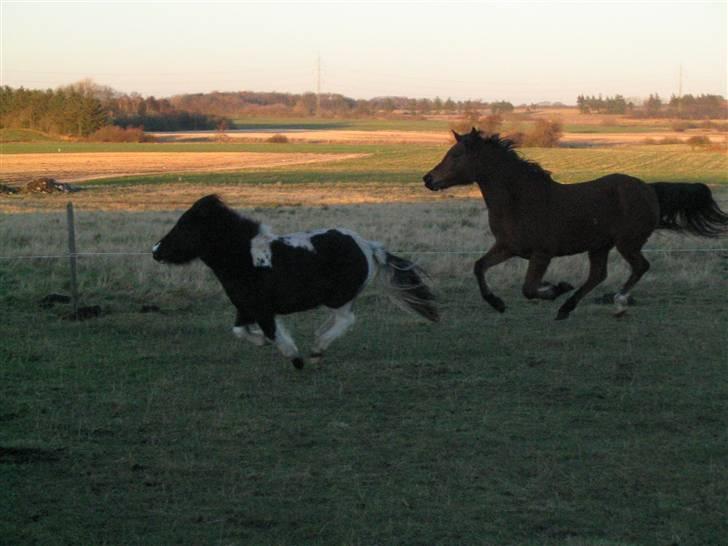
523,52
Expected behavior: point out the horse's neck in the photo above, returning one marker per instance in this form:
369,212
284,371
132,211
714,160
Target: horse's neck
513,185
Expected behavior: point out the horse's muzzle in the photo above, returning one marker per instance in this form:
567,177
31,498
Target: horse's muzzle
155,252
430,183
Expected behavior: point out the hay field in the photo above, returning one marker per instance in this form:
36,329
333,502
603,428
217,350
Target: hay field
74,167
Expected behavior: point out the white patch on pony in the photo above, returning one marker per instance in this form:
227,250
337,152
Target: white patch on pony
335,326
299,240
156,247
260,247
251,333
284,341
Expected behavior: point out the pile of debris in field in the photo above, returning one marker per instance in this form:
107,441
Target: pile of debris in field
40,185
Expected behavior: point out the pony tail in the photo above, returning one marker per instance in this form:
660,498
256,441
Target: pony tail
406,286
689,208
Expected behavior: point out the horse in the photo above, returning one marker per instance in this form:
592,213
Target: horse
536,218
265,275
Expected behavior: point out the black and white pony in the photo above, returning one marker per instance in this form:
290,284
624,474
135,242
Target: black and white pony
265,276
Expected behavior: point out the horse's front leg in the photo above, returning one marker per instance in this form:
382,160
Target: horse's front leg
597,274
535,287
276,332
497,254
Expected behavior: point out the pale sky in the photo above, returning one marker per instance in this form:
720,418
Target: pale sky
517,51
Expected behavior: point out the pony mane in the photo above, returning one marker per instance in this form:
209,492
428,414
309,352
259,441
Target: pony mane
214,207
508,148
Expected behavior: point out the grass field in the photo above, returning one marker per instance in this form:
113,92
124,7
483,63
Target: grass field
158,428
161,427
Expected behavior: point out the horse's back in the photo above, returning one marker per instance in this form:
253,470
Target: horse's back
603,212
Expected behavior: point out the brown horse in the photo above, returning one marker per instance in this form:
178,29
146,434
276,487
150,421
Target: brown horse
536,218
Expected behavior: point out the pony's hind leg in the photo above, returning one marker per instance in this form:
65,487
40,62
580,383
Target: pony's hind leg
340,320
597,274
639,266
497,254
276,332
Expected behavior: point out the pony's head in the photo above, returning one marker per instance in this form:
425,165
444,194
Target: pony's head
186,239
467,161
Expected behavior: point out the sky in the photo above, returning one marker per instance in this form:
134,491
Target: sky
520,51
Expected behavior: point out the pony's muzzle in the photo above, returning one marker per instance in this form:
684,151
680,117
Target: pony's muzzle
155,252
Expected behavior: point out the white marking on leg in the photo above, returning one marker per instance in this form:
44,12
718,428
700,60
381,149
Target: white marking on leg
284,341
343,319
260,247
156,247
621,301
251,333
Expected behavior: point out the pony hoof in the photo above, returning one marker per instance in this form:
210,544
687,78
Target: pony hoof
297,363
620,313
315,358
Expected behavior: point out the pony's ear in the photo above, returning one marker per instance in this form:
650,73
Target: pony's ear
458,137
207,205
474,132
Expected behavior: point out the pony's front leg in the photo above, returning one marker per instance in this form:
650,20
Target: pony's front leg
245,328
494,256
276,332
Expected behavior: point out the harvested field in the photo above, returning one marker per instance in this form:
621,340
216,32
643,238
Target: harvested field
74,167
426,137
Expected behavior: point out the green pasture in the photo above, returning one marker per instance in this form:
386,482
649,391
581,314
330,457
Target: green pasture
162,428
405,164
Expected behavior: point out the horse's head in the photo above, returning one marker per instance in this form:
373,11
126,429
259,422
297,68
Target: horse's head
185,240
459,166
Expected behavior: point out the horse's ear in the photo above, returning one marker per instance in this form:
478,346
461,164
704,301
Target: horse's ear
474,132
458,137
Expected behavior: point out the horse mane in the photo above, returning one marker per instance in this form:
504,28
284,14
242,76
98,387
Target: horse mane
508,149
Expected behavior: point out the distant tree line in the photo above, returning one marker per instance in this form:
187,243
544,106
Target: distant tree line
82,109
64,111
686,106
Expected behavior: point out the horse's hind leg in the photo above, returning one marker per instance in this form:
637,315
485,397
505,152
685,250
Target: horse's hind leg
640,266
335,326
497,254
597,274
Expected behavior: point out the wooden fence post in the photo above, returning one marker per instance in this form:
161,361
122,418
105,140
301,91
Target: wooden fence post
72,256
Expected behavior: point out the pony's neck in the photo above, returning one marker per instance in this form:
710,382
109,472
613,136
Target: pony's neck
228,240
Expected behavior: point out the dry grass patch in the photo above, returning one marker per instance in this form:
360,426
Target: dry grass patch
88,166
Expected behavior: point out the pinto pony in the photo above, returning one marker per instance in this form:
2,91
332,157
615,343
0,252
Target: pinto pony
266,276
536,218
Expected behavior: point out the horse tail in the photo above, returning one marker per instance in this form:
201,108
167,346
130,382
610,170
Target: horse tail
406,284
689,208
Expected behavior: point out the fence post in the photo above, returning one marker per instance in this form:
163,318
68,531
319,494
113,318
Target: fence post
72,256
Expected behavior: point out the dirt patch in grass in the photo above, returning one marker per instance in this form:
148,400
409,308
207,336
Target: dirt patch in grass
75,167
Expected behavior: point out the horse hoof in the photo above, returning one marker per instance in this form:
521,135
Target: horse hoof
564,287
497,304
297,363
